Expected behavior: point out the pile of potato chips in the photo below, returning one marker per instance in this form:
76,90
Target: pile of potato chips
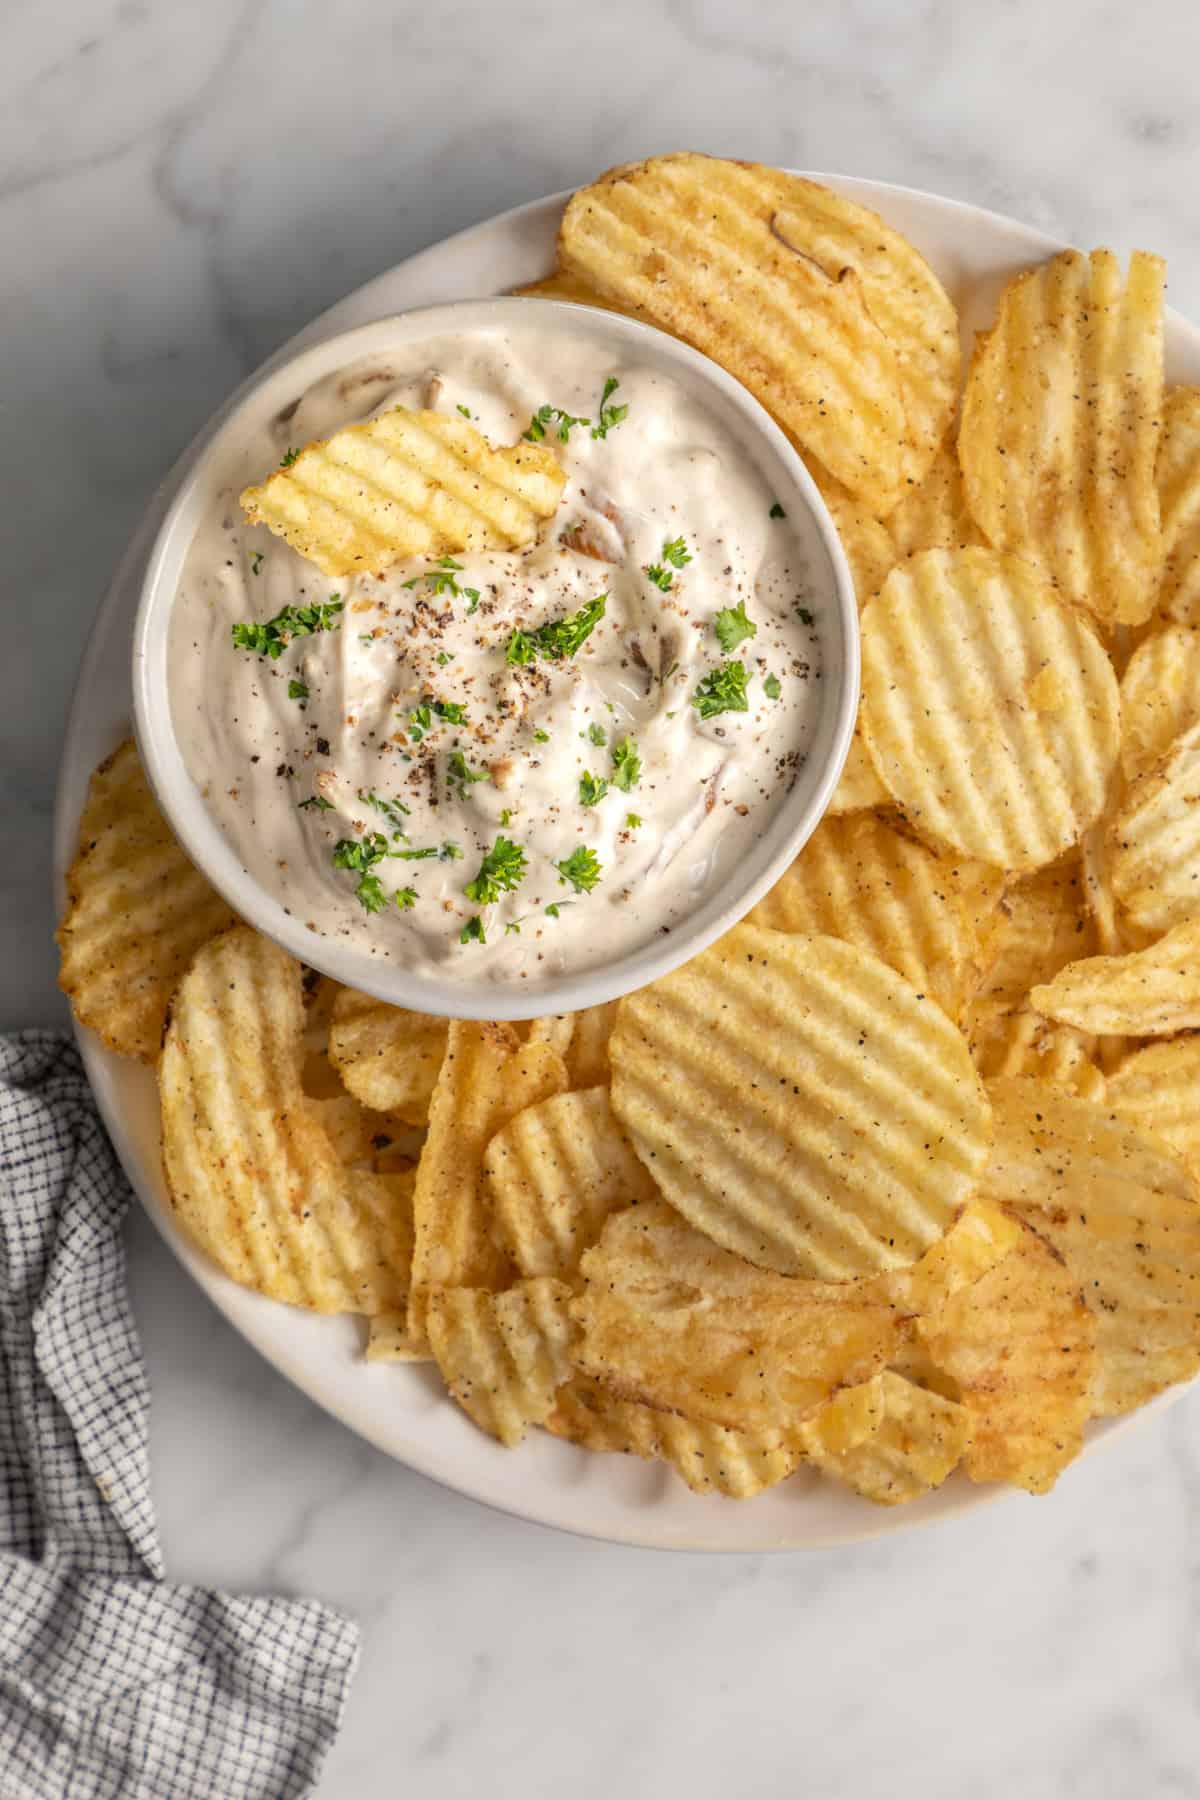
903,1174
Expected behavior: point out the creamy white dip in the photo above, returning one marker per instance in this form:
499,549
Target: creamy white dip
364,774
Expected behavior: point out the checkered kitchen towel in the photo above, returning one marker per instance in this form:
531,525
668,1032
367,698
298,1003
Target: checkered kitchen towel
113,1684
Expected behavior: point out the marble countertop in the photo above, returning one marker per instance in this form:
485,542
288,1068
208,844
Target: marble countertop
182,187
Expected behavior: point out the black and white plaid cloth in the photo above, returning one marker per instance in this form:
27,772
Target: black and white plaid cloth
115,1685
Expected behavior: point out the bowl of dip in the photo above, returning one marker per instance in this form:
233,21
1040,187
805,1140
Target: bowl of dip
505,783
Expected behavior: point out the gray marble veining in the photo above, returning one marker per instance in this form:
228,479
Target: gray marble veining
183,186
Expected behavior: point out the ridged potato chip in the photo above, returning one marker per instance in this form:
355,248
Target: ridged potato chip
672,1321
798,1100
859,787
252,1175
1043,924
1023,1043
980,1237
387,1058
1123,1211
1061,423
587,1053
1019,1345
989,709
1179,499
933,514
825,313
1160,695
556,1030
487,1077
866,540
503,1356
711,1459
406,484
1156,840
388,1340
364,1139
555,1173
920,1440
137,911
1149,993
1158,1090
861,880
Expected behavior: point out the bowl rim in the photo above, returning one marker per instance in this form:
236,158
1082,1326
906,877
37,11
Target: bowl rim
796,817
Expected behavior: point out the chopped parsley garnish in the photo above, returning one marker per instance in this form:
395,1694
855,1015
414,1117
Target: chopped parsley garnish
447,853
464,410
597,734
632,821
443,579
722,690
804,616
318,801
771,687
541,737
662,578
627,765
733,626
420,719
256,561
370,894
514,925
472,599
288,458
557,906
394,811
273,638
560,638
366,637
451,852
675,552
462,775
506,816
453,711
361,855
581,869
609,415
473,932
592,789
405,898
502,870
777,512
297,690
550,415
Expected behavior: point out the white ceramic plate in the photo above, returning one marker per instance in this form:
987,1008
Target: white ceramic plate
401,1409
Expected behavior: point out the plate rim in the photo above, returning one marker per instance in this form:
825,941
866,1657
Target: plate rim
100,1064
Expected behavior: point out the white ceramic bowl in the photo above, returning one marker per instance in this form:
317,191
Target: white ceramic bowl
796,816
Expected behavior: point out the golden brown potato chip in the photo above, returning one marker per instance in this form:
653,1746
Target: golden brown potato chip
797,1100
503,1356
859,786
137,911
554,1174
363,1139
1123,1211
252,1174
1020,1346
556,1030
1158,1090
1156,840
406,484
1179,498
487,1077
825,313
587,1054
671,1320
387,1058
867,541
710,1458
861,880
1150,993
979,1238
1160,696
1061,424
1043,923
388,1340
989,709
1023,1043
920,1440
933,515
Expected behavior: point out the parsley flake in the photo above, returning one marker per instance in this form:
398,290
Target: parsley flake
462,775
627,765
473,932
558,639
256,561
581,869
502,870
506,816
361,855
297,690
675,552
405,898
541,737
394,811
722,690
592,789
804,616
632,821
771,687
733,625
272,638
609,415
598,735
288,458
464,410
777,512
550,415
318,801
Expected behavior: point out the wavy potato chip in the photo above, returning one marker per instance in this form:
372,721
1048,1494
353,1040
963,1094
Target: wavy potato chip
387,1058
920,1440
252,1174
1022,1042
800,1102
1155,864
1060,428
361,1138
1043,923
406,484
1123,1211
1179,501
980,1237
1158,1090
933,515
137,911
861,880
1019,1345
487,1077
989,710
503,1356
388,1340
555,1173
587,1054
866,540
671,1320
1160,696
1149,993
825,313
859,787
